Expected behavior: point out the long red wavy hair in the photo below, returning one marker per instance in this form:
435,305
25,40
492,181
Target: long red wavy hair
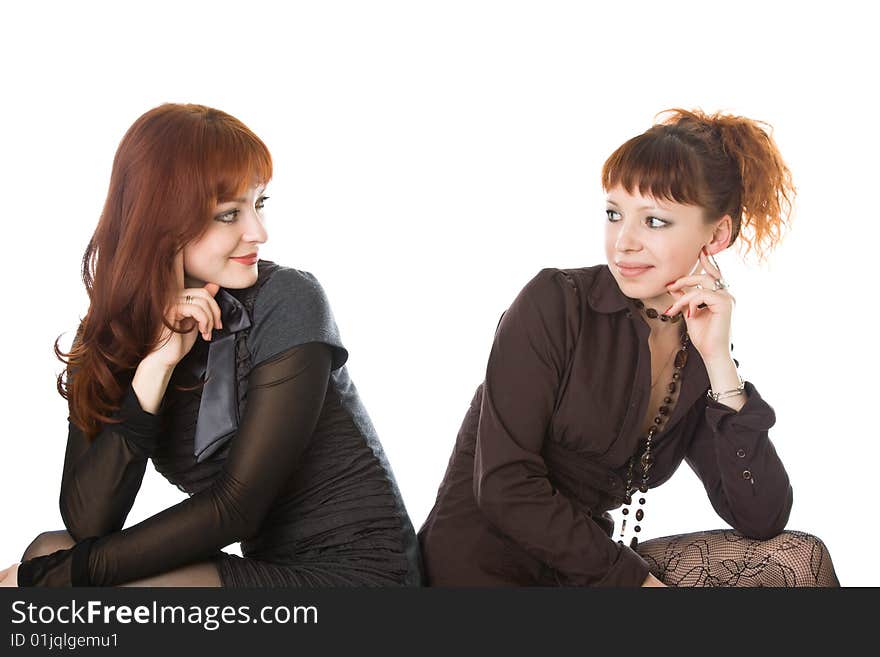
174,164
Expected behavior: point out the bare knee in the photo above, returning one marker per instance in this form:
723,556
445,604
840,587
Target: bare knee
47,543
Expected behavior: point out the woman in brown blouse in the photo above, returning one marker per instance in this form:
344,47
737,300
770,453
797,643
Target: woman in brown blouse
591,368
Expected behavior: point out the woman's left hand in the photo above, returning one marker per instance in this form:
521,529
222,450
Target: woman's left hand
708,327
9,577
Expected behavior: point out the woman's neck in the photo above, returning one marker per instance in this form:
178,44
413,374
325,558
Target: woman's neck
665,334
659,303
660,328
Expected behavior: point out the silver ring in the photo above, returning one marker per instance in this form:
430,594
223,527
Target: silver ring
720,284
189,298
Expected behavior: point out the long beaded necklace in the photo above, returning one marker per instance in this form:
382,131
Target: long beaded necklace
646,460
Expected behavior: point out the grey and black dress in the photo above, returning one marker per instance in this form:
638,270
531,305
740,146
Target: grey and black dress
275,450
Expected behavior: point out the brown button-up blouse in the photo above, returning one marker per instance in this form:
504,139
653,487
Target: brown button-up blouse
542,454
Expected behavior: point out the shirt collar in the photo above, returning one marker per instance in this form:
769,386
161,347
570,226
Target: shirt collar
605,295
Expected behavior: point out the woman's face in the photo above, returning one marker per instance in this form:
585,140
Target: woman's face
662,236
236,229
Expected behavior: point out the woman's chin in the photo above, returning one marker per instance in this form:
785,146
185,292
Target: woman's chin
638,289
239,280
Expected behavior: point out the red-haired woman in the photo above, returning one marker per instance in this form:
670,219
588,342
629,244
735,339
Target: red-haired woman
228,372
601,380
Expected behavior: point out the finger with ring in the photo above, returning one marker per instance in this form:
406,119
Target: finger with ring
700,281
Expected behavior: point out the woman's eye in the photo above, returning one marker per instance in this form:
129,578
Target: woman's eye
662,221
227,217
230,217
614,217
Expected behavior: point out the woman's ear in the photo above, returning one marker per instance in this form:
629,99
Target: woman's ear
720,235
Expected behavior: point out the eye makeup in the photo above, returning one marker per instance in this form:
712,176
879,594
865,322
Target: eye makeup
229,216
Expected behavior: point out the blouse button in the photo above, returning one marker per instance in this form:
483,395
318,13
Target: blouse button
740,453
747,474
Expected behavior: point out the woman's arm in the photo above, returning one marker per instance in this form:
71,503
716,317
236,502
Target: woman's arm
733,456
101,479
532,346
285,397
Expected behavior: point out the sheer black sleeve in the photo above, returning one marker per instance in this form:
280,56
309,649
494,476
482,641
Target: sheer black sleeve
101,479
285,396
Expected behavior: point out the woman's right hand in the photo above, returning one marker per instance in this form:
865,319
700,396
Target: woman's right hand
650,580
200,311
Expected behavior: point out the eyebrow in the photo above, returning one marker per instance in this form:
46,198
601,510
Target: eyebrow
243,200
644,207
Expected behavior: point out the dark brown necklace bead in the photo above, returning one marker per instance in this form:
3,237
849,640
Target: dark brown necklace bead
646,460
653,314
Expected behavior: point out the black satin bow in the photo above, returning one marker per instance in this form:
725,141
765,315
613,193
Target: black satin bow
218,409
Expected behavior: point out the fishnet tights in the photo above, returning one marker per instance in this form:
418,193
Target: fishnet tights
724,557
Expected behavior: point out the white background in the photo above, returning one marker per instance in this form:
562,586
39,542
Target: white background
430,159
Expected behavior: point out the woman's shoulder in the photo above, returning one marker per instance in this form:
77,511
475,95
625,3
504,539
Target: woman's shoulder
279,284
585,277
291,308
273,271
564,285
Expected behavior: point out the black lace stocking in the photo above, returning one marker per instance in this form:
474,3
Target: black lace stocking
724,557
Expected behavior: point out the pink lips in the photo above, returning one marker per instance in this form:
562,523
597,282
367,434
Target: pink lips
632,271
249,259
